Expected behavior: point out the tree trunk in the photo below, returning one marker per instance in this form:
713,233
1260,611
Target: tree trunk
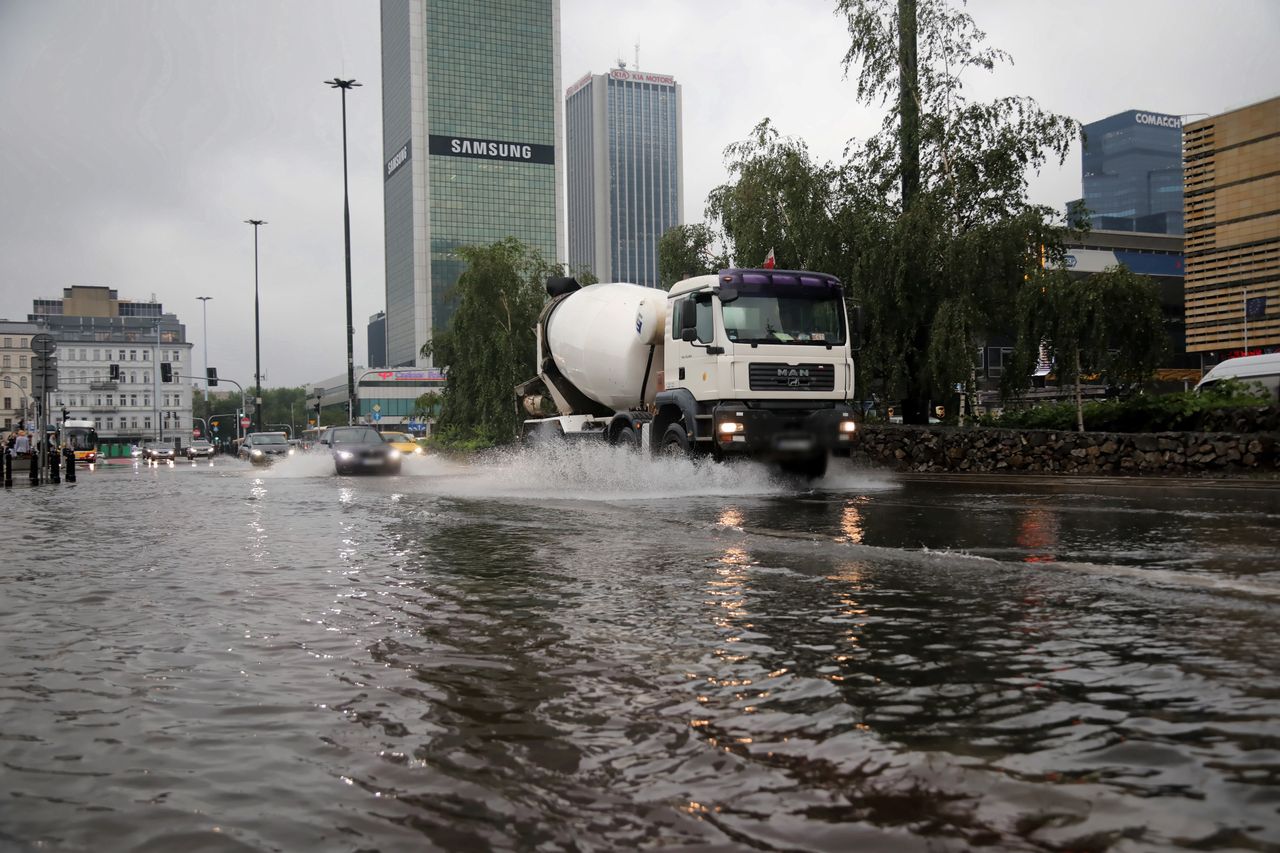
908,102
1079,398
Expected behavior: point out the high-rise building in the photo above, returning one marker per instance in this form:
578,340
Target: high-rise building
470,131
111,354
377,339
625,172
1131,171
1233,232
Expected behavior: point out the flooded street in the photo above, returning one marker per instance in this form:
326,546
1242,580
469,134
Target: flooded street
594,651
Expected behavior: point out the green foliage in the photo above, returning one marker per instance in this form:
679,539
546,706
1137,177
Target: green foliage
777,198
1109,324
490,344
938,272
685,251
1186,411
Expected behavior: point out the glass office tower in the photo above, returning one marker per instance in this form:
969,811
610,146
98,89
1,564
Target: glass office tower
625,172
1131,170
470,118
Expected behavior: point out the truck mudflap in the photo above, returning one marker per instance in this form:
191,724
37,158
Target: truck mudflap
783,434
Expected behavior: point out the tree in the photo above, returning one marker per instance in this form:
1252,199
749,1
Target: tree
1109,323
777,198
685,251
934,206
489,346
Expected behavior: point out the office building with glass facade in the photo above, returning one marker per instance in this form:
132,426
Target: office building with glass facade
1131,171
625,170
470,132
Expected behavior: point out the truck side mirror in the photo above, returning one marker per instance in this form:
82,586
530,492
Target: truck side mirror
855,327
689,319
688,335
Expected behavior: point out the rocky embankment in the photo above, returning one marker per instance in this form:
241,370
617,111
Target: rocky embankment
956,450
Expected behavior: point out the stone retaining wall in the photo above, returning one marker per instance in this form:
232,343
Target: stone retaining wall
950,449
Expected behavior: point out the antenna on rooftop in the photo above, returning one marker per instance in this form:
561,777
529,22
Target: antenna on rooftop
622,63
637,56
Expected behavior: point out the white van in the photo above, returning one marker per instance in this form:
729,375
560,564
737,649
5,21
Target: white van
1262,370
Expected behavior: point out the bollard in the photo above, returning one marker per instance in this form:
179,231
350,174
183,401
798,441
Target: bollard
71,464
35,468
6,461
54,465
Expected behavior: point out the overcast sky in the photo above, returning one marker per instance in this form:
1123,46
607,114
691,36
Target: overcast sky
136,135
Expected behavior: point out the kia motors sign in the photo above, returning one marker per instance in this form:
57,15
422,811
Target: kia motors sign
642,77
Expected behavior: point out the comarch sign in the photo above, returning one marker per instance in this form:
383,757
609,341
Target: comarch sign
491,149
1159,120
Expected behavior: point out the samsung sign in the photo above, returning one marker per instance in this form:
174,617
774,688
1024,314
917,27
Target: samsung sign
397,160
1158,120
491,149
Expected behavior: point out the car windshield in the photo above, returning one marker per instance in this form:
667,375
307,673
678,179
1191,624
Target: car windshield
269,439
790,315
356,436
396,436
199,444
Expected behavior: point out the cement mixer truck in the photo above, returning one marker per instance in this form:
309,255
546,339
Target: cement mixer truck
753,363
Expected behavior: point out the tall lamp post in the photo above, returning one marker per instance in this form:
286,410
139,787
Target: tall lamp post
344,85
257,348
204,312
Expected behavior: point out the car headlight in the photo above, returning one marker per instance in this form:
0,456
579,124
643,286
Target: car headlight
848,426
255,453
344,454
393,454
417,451
290,451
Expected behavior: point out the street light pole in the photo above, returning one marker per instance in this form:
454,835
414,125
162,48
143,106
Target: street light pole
344,85
257,347
204,306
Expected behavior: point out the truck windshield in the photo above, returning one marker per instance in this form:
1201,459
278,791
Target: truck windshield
786,316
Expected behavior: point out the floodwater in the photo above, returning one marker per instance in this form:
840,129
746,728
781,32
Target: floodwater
587,650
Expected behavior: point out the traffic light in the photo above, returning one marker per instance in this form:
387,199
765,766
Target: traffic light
115,372
66,415
213,425
211,373
166,371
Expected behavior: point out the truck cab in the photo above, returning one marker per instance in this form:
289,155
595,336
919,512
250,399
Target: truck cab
757,362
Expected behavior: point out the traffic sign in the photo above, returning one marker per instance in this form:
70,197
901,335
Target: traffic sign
43,344
377,416
377,407
244,422
195,432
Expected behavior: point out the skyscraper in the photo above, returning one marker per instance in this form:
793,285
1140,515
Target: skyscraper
470,122
1131,169
625,172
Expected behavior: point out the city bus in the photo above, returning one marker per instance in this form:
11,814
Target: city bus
82,438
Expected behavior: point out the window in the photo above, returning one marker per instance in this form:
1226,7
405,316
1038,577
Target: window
135,423
146,399
146,423
133,355
121,358
22,361
109,403
8,361
8,342
133,399
111,423
146,355
96,355
8,402
177,356
146,377
23,343
22,382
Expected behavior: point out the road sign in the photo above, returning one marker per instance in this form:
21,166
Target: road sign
377,416
43,344
377,407
244,422
195,432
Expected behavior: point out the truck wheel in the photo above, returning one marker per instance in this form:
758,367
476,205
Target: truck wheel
627,438
675,441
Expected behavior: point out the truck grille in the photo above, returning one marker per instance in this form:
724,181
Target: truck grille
792,377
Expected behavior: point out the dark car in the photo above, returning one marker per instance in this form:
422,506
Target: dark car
263,448
154,451
199,449
360,450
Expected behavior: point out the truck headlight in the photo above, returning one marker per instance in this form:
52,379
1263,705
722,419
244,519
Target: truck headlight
730,427
848,426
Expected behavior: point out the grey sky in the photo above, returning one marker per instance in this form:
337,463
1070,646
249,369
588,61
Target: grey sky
135,136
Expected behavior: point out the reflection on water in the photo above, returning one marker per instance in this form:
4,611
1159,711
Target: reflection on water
522,654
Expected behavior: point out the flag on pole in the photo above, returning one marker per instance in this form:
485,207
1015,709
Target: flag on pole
769,261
